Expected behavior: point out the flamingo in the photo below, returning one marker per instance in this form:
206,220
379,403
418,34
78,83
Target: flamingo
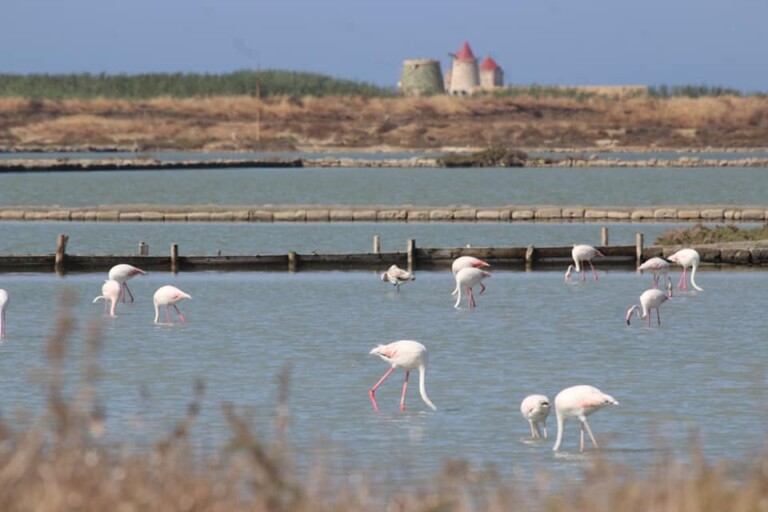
579,402
581,253
110,292
468,278
3,305
122,273
687,258
535,409
408,355
168,296
651,299
658,266
396,276
467,261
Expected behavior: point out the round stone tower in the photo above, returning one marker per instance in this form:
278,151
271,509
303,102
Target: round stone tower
421,77
465,76
491,74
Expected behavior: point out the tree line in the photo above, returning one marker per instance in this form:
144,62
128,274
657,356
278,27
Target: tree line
184,85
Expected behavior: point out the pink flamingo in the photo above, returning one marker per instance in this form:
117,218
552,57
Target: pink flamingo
467,278
408,355
168,296
658,266
580,254
579,402
467,261
650,299
535,409
122,273
396,276
687,258
3,305
110,292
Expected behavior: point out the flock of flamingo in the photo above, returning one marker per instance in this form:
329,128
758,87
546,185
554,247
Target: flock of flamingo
573,402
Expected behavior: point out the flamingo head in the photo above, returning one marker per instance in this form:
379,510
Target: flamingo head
568,274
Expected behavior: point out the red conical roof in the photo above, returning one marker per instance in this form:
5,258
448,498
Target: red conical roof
489,64
465,53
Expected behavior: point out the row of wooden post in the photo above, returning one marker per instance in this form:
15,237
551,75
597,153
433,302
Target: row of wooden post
61,251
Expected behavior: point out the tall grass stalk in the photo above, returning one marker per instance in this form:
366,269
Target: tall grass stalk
62,462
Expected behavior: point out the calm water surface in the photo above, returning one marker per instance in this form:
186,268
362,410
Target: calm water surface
360,186
304,238
703,371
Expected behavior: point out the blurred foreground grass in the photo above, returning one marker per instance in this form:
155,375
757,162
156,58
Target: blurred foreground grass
60,462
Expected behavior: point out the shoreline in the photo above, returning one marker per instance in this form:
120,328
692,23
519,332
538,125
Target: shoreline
143,162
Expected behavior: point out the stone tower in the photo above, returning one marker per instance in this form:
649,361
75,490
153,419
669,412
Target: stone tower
421,77
465,76
491,74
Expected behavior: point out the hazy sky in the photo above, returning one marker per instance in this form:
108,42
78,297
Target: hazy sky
647,42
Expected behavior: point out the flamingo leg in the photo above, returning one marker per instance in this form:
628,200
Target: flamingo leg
405,388
681,283
129,292
372,392
181,317
593,269
534,433
168,313
589,431
482,288
658,316
656,281
583,273
471,298
581,439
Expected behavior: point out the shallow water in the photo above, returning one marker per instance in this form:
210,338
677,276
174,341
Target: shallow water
371,186
702,372
233,238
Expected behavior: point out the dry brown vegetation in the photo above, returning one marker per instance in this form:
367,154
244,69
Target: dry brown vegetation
61,462
248,124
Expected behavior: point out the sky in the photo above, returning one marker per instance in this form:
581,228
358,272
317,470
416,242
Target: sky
545,42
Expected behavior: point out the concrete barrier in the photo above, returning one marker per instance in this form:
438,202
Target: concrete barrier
367,213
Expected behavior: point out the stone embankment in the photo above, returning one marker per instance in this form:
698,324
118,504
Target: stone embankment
399,213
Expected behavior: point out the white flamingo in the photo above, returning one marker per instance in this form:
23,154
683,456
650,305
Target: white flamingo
658,266
579,402
408,355
168,296
3,306
580,254
687,258
467,278
535,409
396,276
650,299
110,292
467,261
122,273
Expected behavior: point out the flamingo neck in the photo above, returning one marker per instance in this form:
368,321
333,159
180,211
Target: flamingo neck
423,387
157,312
560,429
693,276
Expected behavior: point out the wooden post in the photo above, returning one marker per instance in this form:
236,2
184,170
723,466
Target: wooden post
61,253
143,249
174,258
411,248
529,255
292,261
376,244
604,236
639,239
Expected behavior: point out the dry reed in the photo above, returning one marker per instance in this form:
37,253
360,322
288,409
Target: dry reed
62,462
